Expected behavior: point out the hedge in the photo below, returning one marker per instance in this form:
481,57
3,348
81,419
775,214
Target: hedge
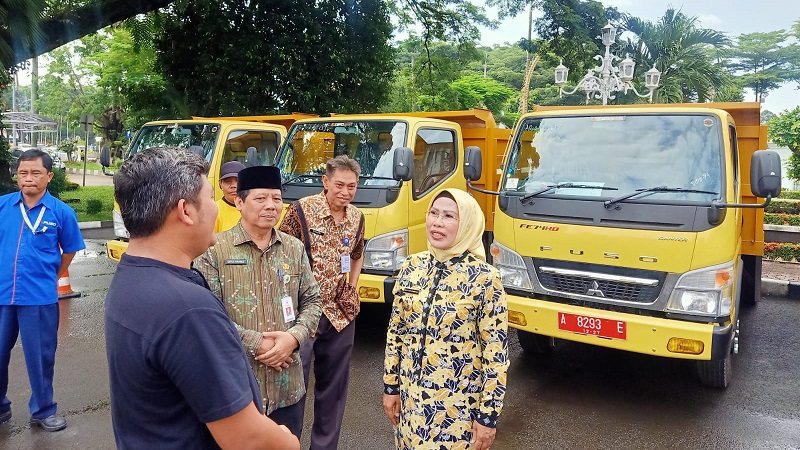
782,219
789,194
783,206
785,252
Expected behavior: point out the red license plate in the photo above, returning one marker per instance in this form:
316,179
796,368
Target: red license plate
593,326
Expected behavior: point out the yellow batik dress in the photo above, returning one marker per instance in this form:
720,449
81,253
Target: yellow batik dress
446,350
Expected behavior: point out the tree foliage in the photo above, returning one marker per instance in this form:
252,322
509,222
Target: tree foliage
240,57
425,73
784,129
765,61
684,53
33,27
5,155
569,30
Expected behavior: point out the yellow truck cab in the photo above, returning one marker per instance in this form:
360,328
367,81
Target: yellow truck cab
635,227
251,140
394,206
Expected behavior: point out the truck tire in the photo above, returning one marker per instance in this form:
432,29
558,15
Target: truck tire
535,344
715,373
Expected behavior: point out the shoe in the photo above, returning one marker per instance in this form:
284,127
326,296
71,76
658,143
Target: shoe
5,417
52,423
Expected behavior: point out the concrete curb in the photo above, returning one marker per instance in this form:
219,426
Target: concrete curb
96,224
780,288
88,172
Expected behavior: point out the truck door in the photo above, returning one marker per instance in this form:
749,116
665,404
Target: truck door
435,163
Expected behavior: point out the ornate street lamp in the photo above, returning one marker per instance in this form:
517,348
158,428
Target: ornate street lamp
609,79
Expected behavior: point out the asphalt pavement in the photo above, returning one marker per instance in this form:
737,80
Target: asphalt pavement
581,397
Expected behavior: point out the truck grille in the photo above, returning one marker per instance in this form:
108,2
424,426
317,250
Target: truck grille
592,280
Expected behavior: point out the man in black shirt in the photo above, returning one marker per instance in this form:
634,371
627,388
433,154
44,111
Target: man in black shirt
179,375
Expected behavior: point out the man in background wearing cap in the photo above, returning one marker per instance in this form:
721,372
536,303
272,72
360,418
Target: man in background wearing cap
228,181
264,278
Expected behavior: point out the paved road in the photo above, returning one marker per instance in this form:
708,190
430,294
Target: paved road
581,397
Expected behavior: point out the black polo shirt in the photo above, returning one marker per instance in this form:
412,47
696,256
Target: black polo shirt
175,359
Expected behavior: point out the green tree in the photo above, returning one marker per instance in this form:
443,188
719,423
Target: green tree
425,73
476,91
6,185
784,129
765,61
684,53
504,63
320,57
567,27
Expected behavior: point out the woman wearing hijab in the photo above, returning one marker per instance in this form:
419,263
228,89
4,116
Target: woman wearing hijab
446,347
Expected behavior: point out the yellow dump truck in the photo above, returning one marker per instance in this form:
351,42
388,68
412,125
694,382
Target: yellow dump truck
635,227
252,140
394,204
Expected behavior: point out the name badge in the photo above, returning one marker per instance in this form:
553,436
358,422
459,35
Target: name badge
317,232
288,309
346,263
236,262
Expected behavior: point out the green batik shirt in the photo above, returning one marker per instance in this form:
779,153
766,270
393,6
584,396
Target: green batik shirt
252,284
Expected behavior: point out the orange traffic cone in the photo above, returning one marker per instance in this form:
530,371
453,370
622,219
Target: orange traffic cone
64,288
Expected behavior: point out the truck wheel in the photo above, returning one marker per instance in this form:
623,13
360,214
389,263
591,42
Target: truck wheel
716,373
535,344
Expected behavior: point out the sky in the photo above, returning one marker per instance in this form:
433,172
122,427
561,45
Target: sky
732,17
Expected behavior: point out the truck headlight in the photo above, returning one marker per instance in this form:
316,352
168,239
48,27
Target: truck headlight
512,268
387,251
119,227
707,291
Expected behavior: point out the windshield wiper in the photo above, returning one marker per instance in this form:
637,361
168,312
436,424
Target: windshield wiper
300,177
527,197
609,203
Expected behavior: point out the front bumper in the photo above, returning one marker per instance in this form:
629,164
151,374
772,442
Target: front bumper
115,249
376,288
645,334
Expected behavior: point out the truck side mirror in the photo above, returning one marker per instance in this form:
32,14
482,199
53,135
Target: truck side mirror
105,156
403,164
765,173
473,163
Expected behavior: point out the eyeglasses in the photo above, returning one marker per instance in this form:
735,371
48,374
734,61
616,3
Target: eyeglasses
446,216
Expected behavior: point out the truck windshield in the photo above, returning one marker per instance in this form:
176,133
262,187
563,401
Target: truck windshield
196,137
619,155
309,146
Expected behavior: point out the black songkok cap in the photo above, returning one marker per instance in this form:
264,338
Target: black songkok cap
259,177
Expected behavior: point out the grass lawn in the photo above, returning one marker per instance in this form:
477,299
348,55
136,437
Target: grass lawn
91,202
79,165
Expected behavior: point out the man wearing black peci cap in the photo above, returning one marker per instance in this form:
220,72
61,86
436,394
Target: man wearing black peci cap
264,278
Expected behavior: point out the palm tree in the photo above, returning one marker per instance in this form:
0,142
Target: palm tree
687,56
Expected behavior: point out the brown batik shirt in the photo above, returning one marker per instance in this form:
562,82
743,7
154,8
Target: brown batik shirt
252,284
329,241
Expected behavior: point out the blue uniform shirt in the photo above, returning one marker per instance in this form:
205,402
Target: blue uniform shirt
29,260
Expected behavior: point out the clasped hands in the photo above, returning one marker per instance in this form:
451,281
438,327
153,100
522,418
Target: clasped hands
275,349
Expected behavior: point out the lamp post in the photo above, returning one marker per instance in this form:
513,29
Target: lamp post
604,81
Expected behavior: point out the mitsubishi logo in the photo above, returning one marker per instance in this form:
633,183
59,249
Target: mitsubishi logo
594,290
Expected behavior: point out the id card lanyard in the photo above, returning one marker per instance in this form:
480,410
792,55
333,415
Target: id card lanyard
33,226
